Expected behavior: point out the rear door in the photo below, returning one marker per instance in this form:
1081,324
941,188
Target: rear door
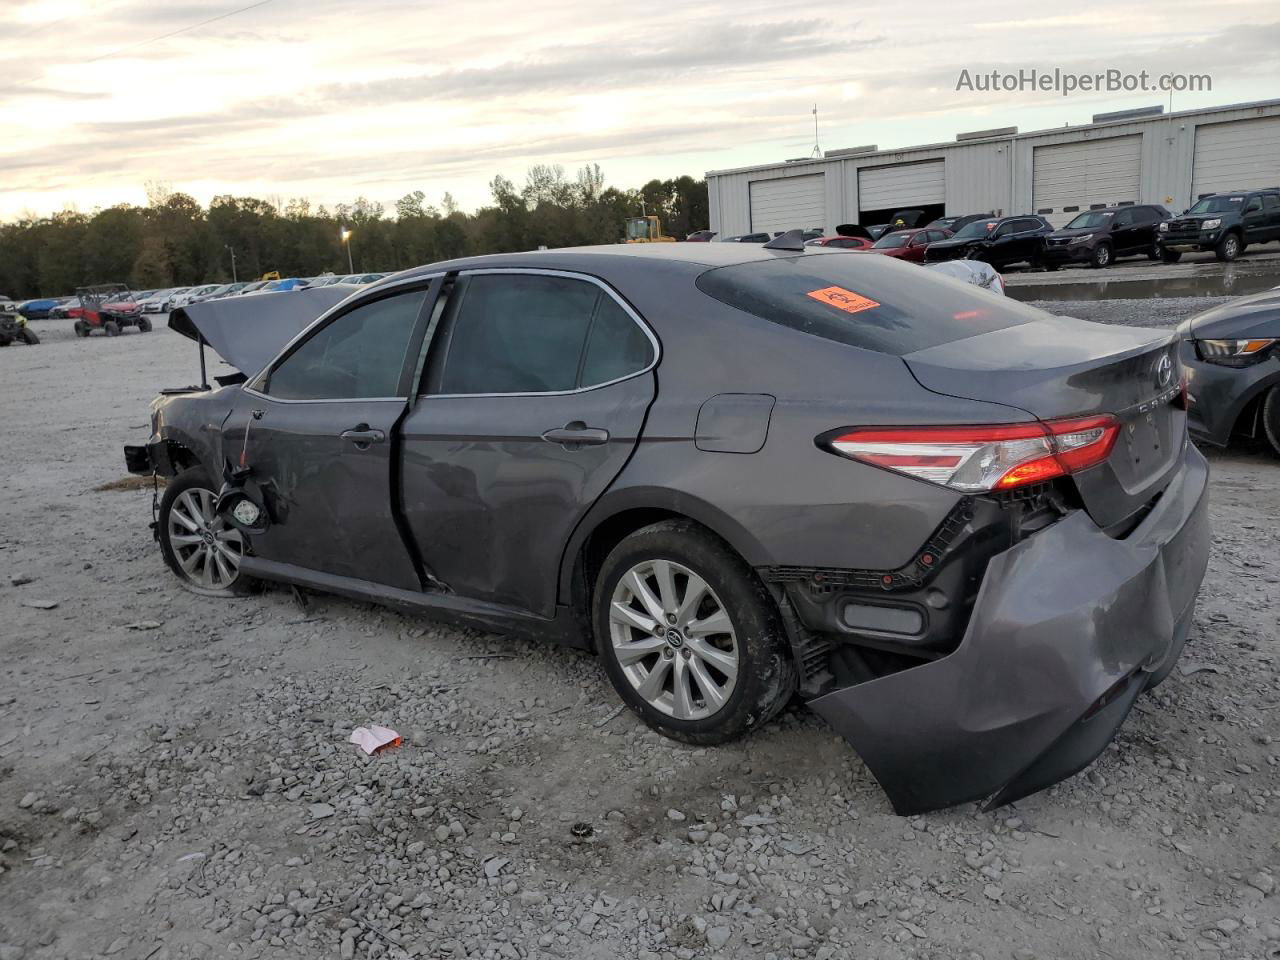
535,391
317,430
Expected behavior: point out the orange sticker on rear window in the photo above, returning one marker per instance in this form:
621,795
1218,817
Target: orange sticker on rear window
842,299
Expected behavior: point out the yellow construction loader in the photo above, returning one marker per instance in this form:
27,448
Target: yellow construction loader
646,230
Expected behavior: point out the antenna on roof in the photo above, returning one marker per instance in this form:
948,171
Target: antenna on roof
817,150
791,240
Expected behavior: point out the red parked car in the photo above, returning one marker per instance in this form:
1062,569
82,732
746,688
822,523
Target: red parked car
843,243
909,244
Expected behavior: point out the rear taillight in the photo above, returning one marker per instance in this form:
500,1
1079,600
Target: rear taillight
980,459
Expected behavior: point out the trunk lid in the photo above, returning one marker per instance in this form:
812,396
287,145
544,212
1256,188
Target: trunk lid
248,332
1061,367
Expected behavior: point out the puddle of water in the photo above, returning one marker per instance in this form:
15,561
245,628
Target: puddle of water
1228,283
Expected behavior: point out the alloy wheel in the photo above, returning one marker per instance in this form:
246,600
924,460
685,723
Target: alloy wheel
207,549
673,639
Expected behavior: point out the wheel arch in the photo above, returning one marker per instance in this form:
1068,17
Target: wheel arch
614,518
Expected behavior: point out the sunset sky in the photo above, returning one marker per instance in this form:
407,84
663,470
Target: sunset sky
333,100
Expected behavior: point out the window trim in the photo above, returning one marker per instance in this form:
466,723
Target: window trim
570,275
334,313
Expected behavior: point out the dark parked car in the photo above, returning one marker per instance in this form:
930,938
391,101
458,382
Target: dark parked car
1225,223
1098,237
1232,358
999,241
954,224
909,244
700,236
968,532
745,238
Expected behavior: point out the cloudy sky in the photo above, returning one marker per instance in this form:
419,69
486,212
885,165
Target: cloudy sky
333,100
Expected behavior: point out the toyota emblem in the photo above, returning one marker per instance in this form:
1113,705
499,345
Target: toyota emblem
1164,372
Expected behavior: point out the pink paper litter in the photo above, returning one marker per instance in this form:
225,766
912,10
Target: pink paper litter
373,738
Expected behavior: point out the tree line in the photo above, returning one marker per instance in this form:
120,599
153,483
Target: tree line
174,241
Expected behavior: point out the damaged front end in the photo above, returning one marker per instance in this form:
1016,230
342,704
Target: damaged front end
1061,625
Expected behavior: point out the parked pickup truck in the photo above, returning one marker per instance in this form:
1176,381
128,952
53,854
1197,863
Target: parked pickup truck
1225,223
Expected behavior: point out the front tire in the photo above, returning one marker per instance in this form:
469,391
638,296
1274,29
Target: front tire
29,337
144,325
112,328
1228,248
690,639
202,549
1170,256
81,328
1154,253
1101,256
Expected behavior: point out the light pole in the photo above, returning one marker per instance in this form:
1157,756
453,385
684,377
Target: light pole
232,251
345,235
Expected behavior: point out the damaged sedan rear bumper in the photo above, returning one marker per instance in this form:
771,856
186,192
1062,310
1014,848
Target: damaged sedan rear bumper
1069,626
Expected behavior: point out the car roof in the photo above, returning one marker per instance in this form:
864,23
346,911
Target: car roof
705,255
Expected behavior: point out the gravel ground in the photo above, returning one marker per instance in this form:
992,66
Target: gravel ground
1153,312
175,779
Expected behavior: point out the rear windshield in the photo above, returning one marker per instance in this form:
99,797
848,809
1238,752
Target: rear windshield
869,302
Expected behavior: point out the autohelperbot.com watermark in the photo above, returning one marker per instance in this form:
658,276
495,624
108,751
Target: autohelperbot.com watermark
1067,82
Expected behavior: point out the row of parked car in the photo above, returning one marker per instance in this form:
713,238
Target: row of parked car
164,300
1222,223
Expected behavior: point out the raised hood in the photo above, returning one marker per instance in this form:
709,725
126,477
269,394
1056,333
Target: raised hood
248,332
1059,367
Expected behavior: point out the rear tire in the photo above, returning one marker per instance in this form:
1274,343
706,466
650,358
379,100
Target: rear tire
1228,248
144,325
29,337
1170,256
112,328
1101,257
202,550
690,638
1271,418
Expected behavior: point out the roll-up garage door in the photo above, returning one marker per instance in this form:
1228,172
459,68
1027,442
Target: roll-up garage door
1083,174
788,203
1240,155
902,185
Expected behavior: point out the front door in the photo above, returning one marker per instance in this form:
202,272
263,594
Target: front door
317,431
1257,225
536,389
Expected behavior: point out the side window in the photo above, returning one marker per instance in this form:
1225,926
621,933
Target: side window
1272,202
518,333
1254,205
617,347
1123,218
528,333
358,355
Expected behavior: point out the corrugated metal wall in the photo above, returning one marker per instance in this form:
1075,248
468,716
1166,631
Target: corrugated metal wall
995,176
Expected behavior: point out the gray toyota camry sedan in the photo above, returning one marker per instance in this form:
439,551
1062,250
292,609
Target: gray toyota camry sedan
966,532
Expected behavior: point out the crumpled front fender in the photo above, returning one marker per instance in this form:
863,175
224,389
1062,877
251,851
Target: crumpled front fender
1066,629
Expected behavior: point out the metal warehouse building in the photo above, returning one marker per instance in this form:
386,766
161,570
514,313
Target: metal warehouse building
1143,156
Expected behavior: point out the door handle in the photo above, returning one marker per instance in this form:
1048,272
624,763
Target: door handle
576,434
362,436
